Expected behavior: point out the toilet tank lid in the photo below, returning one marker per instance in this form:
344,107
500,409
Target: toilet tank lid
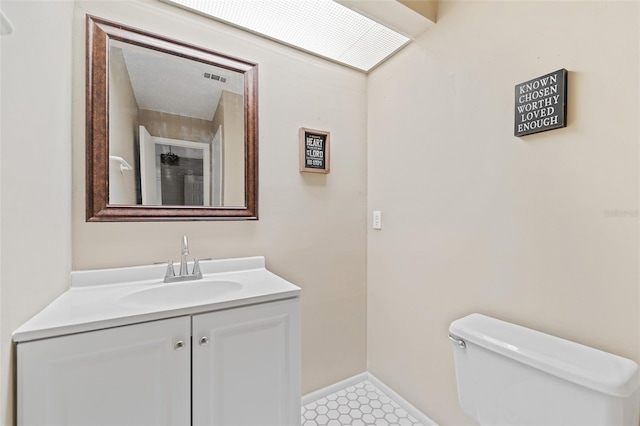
595,369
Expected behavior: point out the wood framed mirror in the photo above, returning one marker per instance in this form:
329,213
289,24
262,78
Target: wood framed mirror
172,129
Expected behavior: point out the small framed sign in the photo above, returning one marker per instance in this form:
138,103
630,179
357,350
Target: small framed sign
541,104
314,151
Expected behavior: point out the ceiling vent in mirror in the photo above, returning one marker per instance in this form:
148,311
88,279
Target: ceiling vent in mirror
322,27
215,77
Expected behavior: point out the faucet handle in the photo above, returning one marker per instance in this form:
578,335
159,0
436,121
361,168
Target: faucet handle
170,271
196,267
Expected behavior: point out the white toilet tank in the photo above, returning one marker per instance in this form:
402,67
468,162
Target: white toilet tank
510,375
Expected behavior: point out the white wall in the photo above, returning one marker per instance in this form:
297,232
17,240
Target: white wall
477,220
35,178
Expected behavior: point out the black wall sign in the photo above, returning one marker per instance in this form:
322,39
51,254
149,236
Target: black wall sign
314,151
541,104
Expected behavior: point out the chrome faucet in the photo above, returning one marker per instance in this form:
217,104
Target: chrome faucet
184,275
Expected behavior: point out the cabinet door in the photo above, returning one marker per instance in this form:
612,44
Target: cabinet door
246,366
132,375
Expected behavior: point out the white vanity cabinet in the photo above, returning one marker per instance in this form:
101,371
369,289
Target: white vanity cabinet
130,375
246,365
123,348
245,371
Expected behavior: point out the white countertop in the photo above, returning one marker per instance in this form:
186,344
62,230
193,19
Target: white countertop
98,299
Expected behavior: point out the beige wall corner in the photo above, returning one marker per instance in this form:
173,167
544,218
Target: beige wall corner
426,8
403,18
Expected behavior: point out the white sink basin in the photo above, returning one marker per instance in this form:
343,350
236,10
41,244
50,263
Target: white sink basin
106,298
186,292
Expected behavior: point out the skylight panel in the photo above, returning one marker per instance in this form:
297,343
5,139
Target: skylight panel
321,27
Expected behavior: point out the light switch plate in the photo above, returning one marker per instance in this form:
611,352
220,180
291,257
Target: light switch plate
377,219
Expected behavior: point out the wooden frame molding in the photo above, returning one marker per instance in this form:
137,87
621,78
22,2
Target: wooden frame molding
98,209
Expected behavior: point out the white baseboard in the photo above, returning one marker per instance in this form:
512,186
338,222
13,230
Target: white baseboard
321,393
419,415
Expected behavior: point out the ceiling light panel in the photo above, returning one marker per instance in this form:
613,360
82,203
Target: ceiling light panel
321,27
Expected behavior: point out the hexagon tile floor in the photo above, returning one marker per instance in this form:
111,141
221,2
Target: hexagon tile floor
358,405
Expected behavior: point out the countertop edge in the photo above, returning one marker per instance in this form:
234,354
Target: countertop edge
19,336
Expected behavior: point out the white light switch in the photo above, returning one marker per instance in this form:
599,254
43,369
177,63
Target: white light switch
377,219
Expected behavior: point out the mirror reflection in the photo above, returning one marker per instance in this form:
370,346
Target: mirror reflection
179,124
